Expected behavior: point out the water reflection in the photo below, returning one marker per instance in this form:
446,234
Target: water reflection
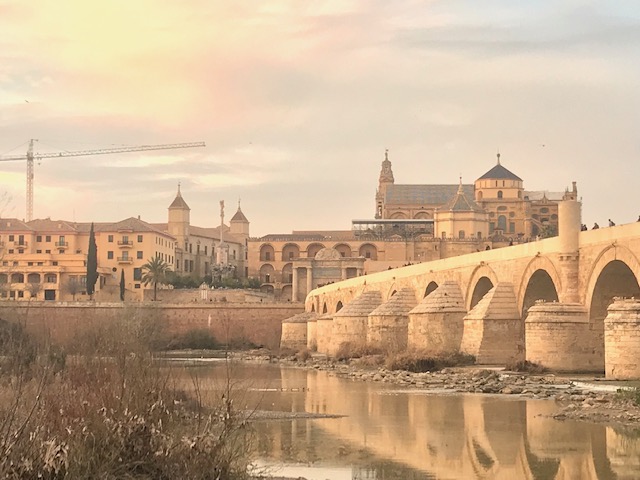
390,433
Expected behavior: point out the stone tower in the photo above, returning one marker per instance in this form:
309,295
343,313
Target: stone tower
386,178
239,228
179,219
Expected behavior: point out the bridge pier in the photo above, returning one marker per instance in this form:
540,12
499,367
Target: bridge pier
324,326
558,336
436,323
387,324
312,336
493,328
622,340
350,323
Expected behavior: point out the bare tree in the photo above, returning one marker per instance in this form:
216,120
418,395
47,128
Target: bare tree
73,287
34,289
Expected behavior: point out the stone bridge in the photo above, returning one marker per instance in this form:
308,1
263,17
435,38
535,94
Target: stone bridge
544,301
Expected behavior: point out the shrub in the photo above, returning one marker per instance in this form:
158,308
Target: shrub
348,350
115,413
422,362
196,339
526,366
303,355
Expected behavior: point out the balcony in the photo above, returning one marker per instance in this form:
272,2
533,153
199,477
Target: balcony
125,243
128,260
62,244
20,244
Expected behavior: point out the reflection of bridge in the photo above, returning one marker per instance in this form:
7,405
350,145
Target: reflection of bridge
465,436
577,274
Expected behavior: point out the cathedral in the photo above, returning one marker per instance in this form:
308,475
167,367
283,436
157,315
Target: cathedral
412,223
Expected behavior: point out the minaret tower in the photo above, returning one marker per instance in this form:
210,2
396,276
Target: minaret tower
386,179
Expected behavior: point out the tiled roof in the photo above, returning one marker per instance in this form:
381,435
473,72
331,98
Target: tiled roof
48,225
498,172
539,194
239,217
13,224
179,202
423,194
461,203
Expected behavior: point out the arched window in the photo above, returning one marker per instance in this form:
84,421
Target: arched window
479,194
499,193
502,223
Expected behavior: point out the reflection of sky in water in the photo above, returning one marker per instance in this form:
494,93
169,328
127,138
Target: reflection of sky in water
392,434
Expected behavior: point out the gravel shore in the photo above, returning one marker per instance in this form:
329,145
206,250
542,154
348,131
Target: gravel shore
578,397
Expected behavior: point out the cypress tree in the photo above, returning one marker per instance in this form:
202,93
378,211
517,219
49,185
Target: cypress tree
122,289
92,263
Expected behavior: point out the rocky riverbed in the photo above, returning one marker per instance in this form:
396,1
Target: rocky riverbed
579,398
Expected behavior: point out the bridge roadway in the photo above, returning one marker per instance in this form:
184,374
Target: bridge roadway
576,275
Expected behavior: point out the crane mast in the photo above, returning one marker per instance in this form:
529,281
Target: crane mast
104,151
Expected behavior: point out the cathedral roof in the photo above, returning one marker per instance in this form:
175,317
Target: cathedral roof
461,203
179,202
423,194
498,172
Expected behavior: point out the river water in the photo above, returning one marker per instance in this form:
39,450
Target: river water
387,432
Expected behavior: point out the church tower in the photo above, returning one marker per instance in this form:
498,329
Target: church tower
239,227
386,179
179,219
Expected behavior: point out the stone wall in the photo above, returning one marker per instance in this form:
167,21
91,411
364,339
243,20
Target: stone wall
257,323
622,340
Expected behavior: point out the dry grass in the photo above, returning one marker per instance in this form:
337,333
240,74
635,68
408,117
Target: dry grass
527,367
424,362
112,413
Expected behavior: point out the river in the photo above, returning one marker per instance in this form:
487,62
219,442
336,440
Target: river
387,432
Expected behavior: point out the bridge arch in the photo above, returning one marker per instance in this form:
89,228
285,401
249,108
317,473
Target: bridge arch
540,281
432,286
391,291
618,267
338,306
482,280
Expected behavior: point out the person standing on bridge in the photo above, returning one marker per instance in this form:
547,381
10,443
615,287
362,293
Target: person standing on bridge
595,226
611,223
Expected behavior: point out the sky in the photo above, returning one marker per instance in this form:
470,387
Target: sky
297,102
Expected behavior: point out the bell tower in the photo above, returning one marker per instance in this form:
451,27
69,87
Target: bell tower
385,179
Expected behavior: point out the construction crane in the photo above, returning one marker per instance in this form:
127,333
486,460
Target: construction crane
30,156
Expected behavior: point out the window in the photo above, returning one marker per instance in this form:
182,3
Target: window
54,263
267,256
38,238
125,255
139,238
47,251
110,238
139,255
137,285
110,255
11,238
30,264
512,227
40,264
499,193
137,274
20,294
502,223
205,249
38,251
186,265
47,238
11,250
50,278
461,234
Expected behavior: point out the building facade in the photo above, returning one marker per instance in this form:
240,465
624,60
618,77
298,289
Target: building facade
411,224
46,259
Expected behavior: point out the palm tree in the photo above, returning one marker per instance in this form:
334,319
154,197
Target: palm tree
155,272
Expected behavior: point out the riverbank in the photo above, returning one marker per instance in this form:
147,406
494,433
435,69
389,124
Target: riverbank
579,397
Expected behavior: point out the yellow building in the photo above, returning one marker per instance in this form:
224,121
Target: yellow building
45,259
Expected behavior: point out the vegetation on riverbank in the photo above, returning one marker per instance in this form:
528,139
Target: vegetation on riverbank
109,411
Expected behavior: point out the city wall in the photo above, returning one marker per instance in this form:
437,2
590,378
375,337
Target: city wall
257,323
